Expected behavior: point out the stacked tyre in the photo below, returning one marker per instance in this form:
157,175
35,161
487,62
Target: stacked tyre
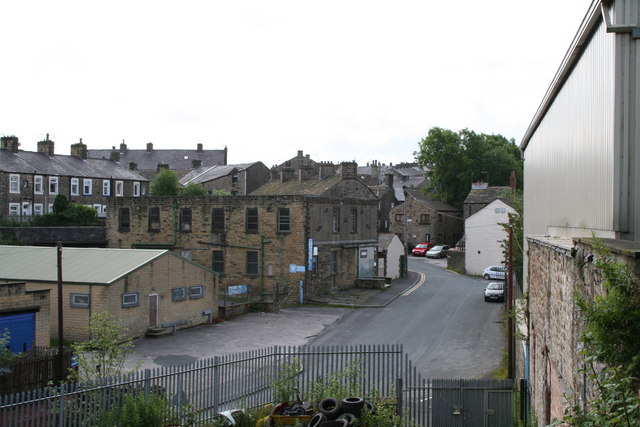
338,413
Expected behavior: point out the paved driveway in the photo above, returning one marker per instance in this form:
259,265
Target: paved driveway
291,326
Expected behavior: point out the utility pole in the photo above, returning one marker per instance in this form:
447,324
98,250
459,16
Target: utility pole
509,296
60,316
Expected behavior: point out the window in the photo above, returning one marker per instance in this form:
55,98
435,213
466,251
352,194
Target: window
234,177
53,185
38,209
399,217
196,292
186,253
14,208
14,184
136,189
427,237
26,208
252,220
185,219
217,220
119,188
124,220
334,262
131,299
154,218
106,187
252,263
335,222
98,208
87,186
178,294
218,262
284,220
75,187
38,187
439,217
425,218
353,223
80,300
50,208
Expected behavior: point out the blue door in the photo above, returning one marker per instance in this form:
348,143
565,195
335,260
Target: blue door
22,328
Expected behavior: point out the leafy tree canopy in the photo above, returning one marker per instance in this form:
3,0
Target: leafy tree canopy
165,184
67,214
194,189
456,159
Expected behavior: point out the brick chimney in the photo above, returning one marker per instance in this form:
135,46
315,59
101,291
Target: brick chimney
349,170
200,150
45,146
11,143
149,147
326,169
79,150
115,154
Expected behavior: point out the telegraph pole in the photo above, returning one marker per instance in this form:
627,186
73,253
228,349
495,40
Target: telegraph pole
60,316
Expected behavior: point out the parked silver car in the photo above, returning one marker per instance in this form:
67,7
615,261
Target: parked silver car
494,292
494,272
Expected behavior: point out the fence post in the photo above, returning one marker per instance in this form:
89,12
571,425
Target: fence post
61,417
399,396
147,383
216,384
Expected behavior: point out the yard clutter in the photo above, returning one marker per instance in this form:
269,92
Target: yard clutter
329,412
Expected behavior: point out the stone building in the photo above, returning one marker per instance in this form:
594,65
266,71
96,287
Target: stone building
321,232
421,219
30,181
239,180
144,289
150,160
25,314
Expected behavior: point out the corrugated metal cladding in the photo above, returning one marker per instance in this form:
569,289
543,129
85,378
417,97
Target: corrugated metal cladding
569,159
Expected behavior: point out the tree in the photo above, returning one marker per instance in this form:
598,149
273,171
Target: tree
165,184
456,159
67,214
194,189
104,353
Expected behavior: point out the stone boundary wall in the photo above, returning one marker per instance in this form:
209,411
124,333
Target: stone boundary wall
48,236
558,270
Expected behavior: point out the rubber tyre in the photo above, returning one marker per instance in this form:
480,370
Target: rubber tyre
317,419
370,406
487,277
334,423
350,418
352,405
330,407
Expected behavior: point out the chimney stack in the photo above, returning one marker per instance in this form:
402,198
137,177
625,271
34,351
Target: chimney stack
79,150
11,143
326,169
389,179
349,170
149,147
123,147
45,147
512,180
200,150
286,174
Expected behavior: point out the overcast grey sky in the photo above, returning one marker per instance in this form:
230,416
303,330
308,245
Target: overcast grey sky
340,80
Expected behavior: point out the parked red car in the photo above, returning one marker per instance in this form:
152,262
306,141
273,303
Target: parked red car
422,248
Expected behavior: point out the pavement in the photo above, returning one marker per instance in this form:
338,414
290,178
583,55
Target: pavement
291,326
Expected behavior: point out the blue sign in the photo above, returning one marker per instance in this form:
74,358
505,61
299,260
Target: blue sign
310,258
300,269
237,289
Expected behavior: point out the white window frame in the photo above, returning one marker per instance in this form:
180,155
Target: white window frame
119,188
75,187
14,209
53,185
38,184
106,187
196,292
38,209
50,208
14,184
136,189
130,299
77,299
26,209
87,186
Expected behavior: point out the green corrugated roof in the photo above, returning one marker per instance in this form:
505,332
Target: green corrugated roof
79,265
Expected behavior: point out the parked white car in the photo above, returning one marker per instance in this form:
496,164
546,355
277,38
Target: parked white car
494,272
494,292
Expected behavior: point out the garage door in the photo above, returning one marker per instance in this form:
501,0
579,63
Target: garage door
22,328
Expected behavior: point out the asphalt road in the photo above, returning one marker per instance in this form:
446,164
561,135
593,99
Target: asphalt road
444,325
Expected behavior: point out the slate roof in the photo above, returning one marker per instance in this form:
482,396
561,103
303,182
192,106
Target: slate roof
176,159
79,265
433,204
294,187
486,195
209,173
31,162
